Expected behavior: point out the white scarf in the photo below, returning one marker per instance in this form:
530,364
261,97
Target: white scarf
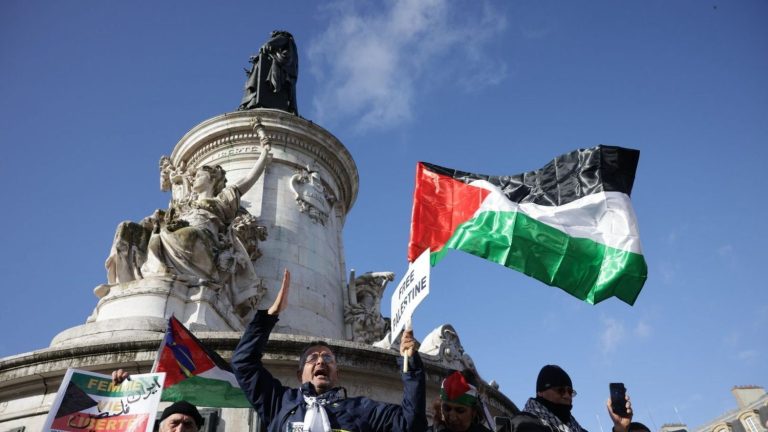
316,419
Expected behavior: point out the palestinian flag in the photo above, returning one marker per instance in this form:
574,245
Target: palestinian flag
569,224
195,373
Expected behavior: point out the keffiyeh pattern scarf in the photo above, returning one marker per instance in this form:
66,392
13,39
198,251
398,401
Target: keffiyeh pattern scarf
546,416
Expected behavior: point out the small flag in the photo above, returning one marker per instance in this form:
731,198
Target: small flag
74,400
569,224
195,373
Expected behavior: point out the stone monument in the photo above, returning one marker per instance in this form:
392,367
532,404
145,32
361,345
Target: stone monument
252,192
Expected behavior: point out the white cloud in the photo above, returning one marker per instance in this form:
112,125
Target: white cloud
668,271
642,329
727,254
613,334
672,238
747,355
372,67
725,250
732,339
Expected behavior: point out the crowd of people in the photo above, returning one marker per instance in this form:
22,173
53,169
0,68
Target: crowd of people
320,404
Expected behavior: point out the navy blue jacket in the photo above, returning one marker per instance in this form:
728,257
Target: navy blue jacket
282,408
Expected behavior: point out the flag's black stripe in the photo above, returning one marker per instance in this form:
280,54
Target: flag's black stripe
75,400
565,179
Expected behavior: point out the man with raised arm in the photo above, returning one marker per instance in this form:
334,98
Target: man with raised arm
319,404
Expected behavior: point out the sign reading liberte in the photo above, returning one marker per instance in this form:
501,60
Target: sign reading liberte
411,291
88,401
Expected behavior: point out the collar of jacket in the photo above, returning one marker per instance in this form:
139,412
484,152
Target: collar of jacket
333,395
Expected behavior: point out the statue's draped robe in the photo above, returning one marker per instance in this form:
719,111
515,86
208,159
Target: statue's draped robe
206,249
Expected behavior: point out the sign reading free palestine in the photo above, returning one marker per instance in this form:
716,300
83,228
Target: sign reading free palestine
88,401
412,290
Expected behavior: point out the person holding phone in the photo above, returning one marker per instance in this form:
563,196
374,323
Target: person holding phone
551,408
620,409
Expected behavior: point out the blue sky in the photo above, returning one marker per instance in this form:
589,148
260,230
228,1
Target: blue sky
93,93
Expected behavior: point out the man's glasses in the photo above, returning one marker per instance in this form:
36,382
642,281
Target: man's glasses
562,391
326,356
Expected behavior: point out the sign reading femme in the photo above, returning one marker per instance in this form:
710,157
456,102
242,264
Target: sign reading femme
412,290
88,401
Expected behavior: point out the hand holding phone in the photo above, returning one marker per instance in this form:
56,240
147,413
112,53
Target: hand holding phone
618,399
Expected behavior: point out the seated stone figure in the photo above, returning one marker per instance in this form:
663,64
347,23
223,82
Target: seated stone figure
197,243
129,249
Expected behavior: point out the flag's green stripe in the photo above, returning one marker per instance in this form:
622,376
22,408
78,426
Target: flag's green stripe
584,268
206,392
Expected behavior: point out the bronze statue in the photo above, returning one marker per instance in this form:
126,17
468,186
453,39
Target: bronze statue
272,78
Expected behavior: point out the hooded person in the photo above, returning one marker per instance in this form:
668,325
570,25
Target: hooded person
460,406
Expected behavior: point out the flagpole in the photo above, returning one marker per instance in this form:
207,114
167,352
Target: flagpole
652,421
162,345
599,423
408,326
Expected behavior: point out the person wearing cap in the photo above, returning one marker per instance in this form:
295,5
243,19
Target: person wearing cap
554,401
180,416
319,404
460,407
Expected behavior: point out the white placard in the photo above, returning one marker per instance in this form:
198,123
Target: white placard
412,290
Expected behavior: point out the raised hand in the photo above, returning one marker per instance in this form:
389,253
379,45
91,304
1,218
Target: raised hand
408,344
281,302
119,376
620,424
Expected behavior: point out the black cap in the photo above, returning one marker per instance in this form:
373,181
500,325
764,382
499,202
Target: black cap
637,427
552,376
183,407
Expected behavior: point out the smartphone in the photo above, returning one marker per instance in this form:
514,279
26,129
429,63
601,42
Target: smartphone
618,399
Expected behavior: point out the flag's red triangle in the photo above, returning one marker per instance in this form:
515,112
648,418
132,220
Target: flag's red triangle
440,204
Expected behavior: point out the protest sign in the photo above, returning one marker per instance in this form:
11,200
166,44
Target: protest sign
90,401
411,290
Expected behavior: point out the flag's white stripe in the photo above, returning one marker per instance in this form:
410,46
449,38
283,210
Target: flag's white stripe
221,375
606,218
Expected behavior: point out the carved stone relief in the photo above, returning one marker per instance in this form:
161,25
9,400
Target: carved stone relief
311,197
364,311
250,233
443,343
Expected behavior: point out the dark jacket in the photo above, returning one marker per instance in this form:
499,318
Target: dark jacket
474,427
279,406
527,422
